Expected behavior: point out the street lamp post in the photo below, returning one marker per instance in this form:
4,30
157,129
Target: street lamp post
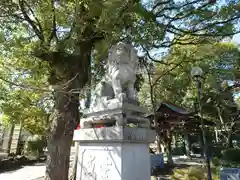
196,73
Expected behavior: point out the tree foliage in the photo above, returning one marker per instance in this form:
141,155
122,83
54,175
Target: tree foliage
172,79
23,97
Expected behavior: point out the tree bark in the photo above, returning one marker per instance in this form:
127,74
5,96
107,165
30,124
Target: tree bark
10,138
201,143
174,141
69,75
169,152
64,121
229,141
168,143
75,162
216,135
187,144
158,142
230,135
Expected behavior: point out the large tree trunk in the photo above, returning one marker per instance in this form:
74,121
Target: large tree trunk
64,120
69,74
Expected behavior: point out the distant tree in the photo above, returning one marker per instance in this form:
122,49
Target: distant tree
171,81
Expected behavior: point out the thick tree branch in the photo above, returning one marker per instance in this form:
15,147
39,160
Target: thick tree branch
53,31
160,3
208,26
24,86
73,23
174,7
33,14
203,27
166,72
60,89
36,27
176,41
151,58
174,67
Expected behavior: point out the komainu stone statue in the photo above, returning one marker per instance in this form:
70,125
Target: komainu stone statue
118,82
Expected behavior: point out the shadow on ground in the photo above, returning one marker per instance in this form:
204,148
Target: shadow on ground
180,163
15,163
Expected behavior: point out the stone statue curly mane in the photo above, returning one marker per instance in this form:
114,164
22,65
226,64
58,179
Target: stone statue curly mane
121,68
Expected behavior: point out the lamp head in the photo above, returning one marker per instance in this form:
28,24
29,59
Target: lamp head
196,72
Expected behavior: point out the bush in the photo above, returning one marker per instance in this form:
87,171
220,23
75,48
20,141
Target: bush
196,173
216,162
178,150
230,164
230,159
231,155
193,173
34,146
217,151
179,174
196,148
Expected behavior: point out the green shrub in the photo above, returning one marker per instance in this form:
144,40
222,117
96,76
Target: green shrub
34,145
196,173
217,151
216,162
179,174
178,150
193,173
231,155
196,148
230,164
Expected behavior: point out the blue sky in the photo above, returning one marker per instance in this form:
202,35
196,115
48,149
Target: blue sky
236,38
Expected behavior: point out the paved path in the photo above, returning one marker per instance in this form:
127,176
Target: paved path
37,171
25,173
33,172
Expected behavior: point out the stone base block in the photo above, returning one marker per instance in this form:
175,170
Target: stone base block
117,161
114,153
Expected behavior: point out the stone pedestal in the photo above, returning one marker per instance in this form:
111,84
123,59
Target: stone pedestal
119,150
114,153
121,113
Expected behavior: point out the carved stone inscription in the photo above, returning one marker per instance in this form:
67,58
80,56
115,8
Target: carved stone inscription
97,165
135,135
105,168
89,169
